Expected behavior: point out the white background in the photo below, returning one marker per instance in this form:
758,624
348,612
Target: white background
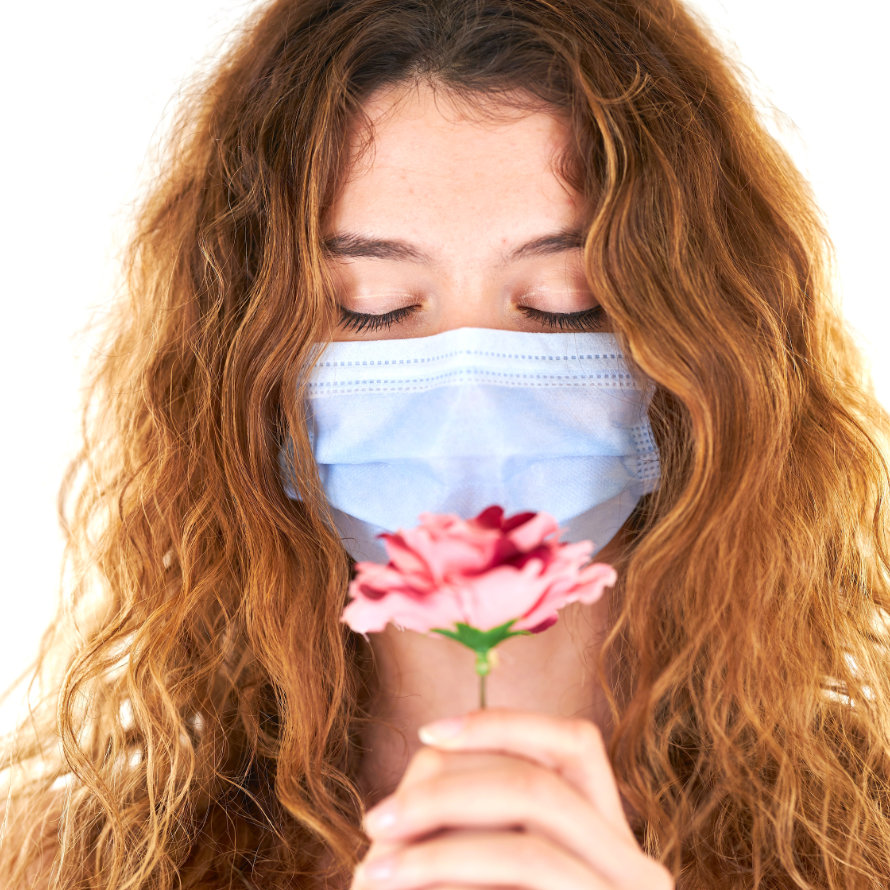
88,87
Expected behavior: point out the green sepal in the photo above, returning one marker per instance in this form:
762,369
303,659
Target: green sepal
481,641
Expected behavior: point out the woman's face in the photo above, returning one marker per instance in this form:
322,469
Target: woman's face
461,223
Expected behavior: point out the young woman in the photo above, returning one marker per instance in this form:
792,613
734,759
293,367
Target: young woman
499,173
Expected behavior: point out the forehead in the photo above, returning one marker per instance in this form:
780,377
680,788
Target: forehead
411,126
419,161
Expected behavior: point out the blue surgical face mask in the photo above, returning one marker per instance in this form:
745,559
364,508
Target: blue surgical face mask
461,420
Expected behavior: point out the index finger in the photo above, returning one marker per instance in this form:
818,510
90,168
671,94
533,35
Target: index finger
572,746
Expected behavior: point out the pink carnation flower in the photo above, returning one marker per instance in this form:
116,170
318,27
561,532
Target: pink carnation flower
483,572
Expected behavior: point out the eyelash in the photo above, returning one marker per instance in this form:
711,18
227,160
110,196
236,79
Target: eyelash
578,321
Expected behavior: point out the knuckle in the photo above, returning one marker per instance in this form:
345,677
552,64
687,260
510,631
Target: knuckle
425,762
585,735
430,758
437,787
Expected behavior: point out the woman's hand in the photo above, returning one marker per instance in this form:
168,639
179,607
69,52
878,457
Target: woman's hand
539,810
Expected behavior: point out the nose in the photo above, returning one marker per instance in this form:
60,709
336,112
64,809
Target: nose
473,305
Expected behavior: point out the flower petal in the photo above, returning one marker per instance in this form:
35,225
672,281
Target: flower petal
501,594
484,572
531,533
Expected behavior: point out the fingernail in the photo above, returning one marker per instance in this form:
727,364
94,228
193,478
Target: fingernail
381,817
441,730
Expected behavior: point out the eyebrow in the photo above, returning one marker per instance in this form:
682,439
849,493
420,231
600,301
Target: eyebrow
351,244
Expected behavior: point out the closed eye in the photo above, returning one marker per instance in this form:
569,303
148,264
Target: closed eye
586,319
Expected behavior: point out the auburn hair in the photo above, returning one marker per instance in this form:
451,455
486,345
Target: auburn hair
200,698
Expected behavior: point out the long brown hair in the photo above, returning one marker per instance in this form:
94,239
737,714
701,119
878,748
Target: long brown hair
202,700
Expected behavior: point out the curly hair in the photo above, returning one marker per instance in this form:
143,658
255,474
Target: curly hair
201,700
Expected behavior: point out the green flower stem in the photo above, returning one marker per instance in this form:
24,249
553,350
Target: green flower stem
483,668
481,642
